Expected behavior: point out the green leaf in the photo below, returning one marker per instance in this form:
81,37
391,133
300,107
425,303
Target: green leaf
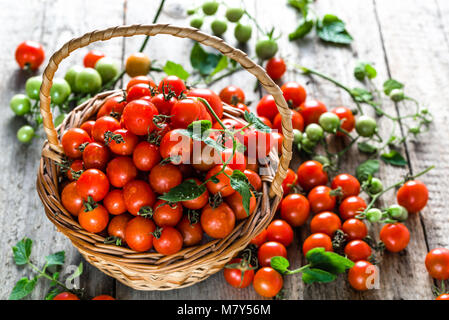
364,70
240,183
366,169
300,5
390,85
328,261
77,273
199,130
188,190
222,64
366,147
362,95
55,277
332,29
22,288
280,264
53,292
253,120
302,30
394,158
22,251
174,69
56,259
311,275
203,61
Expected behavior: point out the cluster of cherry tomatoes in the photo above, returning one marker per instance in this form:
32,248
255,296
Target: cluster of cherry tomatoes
70,296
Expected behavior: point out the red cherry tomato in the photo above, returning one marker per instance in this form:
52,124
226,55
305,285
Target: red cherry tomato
120,171
199,202
30,54
348,184
138,117
164,103
217,222
71,141
138,196
269,250
94,183
184,112
443,296
169,241
138,91
276,141
258,144
164,177
294,94
165,214
191,231
289,181
88,126
311,174
413,196
239,277
103,297
176,146
172,83
360,275
317,240
276,68
95,156
357,250
235,201
232,95
139,234
267,107
117,226
351,207
71,200
140,79
146,156
95,220
238,161
260,239
320,199
295,209
65,296
437,263
242,106
280,231
395,236
355,229
254,179
103,125
267,122
76,168
114,202
124,143
347,120
224,183
311,110
91,58
297,121
267,282
212,98
325,222
112,107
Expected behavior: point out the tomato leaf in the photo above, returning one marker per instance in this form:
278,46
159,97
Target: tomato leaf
174,69
188,190
253,120
56,259
328,261
77,273
362,95
200,131
280,264
203,61
22,251
367,168
221,65
22,288
302,30
332,29
53,292
394,158
240,183
364,70
390,85
300,5
311,275
366,147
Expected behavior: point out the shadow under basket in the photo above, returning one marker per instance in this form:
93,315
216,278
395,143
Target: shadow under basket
151,270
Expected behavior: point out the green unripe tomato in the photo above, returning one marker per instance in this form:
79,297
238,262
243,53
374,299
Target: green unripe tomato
88,81
373,215
20,104
70,76
196,22
60,91
242,32
219,27
397,212
307,144
366,126
25,134
298,146
322,159
266,49
107,69
314,132
191,11
297,136
234,14
33,86
210,7
329,121
397,95
375,186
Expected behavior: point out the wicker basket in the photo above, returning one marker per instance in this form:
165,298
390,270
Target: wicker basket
153,271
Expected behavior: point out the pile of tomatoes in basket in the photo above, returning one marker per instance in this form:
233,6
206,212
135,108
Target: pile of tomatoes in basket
121,162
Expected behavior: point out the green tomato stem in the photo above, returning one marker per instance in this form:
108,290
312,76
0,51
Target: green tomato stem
42,273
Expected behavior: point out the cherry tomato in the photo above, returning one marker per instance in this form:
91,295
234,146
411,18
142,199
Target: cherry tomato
30,54
351,207
95,156
238,161
297,121
260,239
311,174
139,234
349,185
102,125
71,200
289,181
91,58
317,240
112,107
413,196
140,79
95,220
239,277
437,263
276,68
395,236
138,197
120,171
360,274
267,107
191,232
443,296
320,199
280,231
242,106
235,201
198,202
164,103
184,112
138,117
65,296
325,222
355,229
76,168
137,64
212,98
267,282
114,202
146,156
165,214
138,91
94,183
177,146
205,157
169,241
294,94
172,83
72,139
267,122
357,250
311,110
88,127
232,95
103,297
295,209
125,144
164,177
117,225
224,183
269,250
347,120
254,179
258,144
217,222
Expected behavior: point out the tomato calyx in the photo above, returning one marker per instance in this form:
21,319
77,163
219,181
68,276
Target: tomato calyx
157,233
160,119
216,200
338,192
110,136
154,138
193,216
243,265
145,212
113,240
82,146
339,241
90,204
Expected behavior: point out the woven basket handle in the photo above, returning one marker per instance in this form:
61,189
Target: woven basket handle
181,32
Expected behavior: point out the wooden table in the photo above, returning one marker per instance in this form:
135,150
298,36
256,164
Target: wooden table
405,39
